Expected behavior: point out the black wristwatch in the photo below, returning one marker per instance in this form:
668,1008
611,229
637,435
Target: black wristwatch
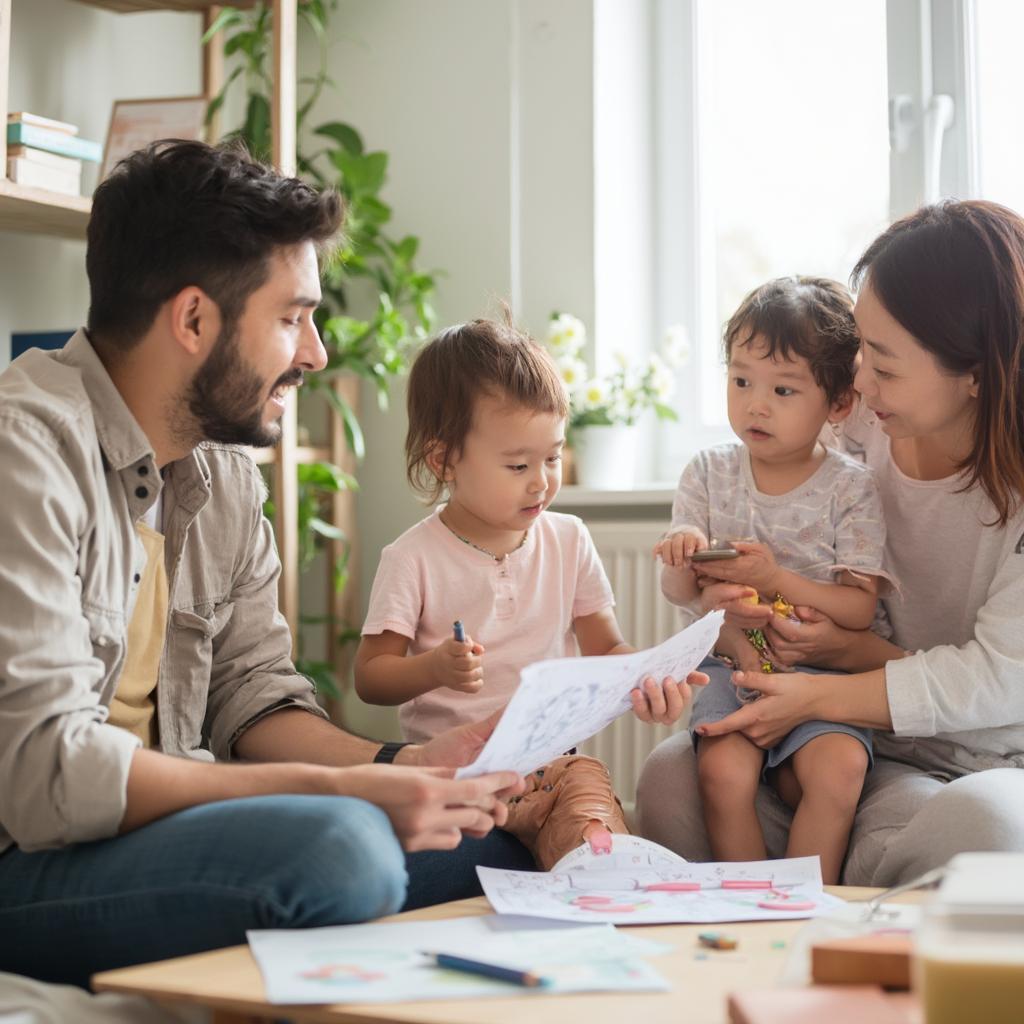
387,752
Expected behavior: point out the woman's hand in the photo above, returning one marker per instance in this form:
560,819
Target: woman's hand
814,640
756,567
786,701
734,600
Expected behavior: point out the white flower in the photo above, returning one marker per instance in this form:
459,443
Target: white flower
677,346
566,335
662,378
573,372
621,359
593,394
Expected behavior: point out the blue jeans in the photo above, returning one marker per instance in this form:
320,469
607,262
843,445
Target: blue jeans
198,879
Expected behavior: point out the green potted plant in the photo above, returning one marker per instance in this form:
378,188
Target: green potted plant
605,408
373,339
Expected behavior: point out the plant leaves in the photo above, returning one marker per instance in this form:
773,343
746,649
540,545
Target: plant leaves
344,134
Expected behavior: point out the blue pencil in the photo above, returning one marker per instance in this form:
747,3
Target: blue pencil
459,631
458,963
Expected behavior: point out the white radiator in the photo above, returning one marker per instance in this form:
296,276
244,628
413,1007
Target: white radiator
646,619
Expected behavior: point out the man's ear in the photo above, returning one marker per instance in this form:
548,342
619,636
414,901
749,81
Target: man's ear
842,407
194,320
435,460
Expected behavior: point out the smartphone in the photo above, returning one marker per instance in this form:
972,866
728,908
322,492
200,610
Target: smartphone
712,554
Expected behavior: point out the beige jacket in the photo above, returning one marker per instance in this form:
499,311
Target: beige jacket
76,472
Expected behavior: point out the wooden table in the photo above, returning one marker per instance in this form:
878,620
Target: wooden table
229,982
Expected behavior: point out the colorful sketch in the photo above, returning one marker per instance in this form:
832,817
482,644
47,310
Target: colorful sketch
375,963
694,893
564,701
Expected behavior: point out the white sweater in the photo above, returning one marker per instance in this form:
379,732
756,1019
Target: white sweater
961,609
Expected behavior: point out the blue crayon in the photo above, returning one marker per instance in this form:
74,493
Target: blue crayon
459,631
459,963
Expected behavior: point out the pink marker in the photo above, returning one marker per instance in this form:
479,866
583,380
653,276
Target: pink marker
673,887
746,883
784,904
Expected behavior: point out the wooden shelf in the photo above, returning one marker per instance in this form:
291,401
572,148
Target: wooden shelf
42,212
133,6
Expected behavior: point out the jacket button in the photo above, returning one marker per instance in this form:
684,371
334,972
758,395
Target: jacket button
141,492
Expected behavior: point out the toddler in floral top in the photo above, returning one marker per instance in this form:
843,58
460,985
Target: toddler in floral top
807,523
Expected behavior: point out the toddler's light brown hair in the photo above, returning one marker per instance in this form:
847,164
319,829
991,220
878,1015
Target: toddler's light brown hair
454,369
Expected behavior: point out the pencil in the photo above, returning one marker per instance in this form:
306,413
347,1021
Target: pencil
459,631
458,963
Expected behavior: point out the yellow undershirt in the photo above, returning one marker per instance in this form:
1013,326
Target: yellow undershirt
134,704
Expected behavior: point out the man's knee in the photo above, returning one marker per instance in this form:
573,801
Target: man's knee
346,864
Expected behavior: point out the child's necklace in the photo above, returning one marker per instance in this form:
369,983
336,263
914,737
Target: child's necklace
490,554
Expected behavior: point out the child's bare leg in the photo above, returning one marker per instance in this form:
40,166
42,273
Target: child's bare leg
830,771
729,772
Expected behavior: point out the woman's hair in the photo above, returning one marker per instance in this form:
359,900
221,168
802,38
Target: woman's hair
953,275
453,370
807,317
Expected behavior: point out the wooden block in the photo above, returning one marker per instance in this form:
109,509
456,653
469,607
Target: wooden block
835,1004
863,960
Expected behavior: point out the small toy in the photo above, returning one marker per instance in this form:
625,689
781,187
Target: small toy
716,940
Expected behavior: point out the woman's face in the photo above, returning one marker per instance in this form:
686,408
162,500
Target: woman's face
903,383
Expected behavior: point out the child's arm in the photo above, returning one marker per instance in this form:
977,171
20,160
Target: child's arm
599,634
384,674
849,602
678,580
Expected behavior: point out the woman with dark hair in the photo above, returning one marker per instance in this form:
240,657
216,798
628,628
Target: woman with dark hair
940,313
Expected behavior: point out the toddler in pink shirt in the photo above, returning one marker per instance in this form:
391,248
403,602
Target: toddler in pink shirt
487,417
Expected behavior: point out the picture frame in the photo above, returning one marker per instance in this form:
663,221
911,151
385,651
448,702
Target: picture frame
136,123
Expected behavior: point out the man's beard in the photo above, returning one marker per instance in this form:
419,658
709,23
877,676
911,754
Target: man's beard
226,397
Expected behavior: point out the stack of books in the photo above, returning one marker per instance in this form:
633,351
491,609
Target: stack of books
47,154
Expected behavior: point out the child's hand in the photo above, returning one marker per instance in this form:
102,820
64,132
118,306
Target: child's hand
457,665
677,549
664,704
756,567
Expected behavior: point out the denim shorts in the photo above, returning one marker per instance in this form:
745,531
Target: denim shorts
719,698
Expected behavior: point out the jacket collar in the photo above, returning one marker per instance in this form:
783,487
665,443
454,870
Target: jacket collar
123,443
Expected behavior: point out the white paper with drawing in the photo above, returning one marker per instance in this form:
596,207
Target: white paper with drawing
564,701
654,890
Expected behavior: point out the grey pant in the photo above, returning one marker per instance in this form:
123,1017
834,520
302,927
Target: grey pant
909,820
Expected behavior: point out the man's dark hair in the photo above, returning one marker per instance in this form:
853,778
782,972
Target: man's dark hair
806,317
179,213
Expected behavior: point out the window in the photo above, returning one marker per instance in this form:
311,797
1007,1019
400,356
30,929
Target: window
781,123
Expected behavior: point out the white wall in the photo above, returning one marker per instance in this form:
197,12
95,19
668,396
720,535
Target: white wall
484,108
71,62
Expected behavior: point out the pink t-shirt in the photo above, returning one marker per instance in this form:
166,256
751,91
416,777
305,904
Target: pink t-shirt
520,609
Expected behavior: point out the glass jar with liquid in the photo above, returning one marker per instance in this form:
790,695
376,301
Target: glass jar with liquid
969,955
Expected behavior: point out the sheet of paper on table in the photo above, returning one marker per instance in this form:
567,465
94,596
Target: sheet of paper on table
563,701
385,963
655,891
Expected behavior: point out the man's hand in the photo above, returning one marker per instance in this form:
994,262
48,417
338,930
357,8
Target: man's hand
458,665
756,567
664,704
452,748
677,549
428,809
